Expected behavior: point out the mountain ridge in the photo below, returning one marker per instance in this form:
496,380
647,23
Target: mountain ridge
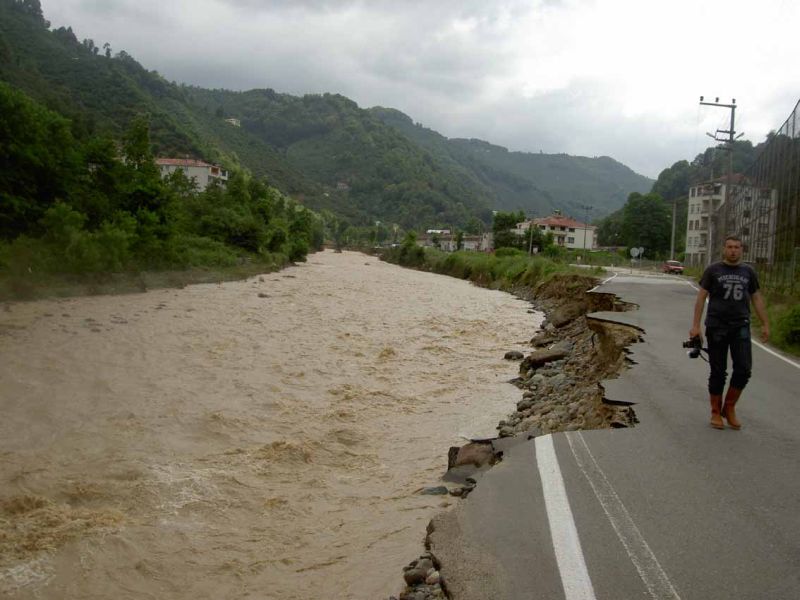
364,164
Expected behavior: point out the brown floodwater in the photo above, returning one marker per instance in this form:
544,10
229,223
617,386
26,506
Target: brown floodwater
265,438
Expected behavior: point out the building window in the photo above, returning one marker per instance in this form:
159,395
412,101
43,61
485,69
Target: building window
572,230
570,240
691,225
692,190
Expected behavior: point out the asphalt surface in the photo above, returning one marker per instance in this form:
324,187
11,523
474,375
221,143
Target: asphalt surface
670,508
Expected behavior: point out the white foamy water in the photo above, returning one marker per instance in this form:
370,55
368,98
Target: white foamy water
211,443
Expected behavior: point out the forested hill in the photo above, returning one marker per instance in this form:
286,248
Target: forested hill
368,170
536,183
363,165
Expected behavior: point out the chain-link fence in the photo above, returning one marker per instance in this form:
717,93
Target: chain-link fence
764,209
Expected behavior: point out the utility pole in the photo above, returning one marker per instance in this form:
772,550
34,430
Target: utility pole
729,186
530,234
587,208
672,242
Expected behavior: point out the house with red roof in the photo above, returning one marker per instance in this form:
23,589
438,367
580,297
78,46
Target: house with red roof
566,231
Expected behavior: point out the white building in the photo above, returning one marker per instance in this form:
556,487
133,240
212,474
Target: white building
566,231
703,200
706,211
201,172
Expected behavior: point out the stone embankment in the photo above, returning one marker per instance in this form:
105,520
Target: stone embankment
561,391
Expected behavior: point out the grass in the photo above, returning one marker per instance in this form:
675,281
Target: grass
504,270
33,286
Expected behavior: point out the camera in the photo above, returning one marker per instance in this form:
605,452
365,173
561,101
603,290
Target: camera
694,344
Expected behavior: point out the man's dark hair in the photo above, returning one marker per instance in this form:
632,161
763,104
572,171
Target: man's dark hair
735,238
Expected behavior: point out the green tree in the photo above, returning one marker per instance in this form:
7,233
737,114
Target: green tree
39,161
646,222
502,229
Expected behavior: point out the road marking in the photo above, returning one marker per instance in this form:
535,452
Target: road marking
605,281
569,556
642,557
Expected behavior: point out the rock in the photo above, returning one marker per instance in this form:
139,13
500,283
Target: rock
540,357
433,578
542,339
514,355
474,453
567,313
506,431
524,404
263,295
425,564
415,576
439,490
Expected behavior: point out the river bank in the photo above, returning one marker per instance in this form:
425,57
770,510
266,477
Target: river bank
560,383
36,286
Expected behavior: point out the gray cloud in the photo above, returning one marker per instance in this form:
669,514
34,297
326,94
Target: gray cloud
591,78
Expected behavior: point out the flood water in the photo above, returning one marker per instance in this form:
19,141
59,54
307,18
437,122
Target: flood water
260,439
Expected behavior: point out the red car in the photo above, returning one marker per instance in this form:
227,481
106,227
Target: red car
672,266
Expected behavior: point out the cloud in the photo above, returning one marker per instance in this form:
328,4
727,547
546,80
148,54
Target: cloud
589,77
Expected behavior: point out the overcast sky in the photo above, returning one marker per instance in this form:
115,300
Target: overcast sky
620,78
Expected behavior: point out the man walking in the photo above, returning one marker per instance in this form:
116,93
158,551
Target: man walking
730,286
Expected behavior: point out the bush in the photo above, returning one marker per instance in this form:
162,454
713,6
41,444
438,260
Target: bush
787,327
501,252
196,251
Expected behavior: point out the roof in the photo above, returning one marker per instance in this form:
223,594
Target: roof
738,178
182,162
561,221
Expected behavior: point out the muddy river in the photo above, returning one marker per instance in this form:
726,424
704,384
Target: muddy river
265,438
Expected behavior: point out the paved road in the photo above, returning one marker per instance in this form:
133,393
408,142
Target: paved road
669,509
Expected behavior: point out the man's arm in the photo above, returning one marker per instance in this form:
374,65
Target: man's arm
761,311
699,305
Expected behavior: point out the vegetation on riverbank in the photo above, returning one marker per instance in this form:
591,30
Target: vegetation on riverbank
88,210
507,268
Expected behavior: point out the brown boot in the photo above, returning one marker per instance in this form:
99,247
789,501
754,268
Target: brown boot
728,410
716,404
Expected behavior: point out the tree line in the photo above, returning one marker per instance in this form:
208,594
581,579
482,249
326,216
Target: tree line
97,204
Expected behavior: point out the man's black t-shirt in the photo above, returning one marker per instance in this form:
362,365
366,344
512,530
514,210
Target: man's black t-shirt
730,288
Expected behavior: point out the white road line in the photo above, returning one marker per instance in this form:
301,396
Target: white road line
605,281
569,556
646,563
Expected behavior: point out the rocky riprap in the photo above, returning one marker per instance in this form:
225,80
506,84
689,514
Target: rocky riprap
561,382
423,580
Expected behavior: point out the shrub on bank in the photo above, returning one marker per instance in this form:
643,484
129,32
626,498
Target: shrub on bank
506,268
785,321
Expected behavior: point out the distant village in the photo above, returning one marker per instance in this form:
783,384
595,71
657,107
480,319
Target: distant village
705,200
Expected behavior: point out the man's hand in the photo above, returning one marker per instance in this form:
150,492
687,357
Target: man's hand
699,305
761,311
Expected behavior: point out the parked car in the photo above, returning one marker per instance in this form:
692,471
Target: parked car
672,266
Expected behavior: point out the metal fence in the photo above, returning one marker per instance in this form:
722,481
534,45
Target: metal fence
764,209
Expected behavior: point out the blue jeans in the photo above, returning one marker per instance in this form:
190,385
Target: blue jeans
737,341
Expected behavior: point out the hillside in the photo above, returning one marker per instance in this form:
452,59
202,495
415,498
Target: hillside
364,165
534,183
